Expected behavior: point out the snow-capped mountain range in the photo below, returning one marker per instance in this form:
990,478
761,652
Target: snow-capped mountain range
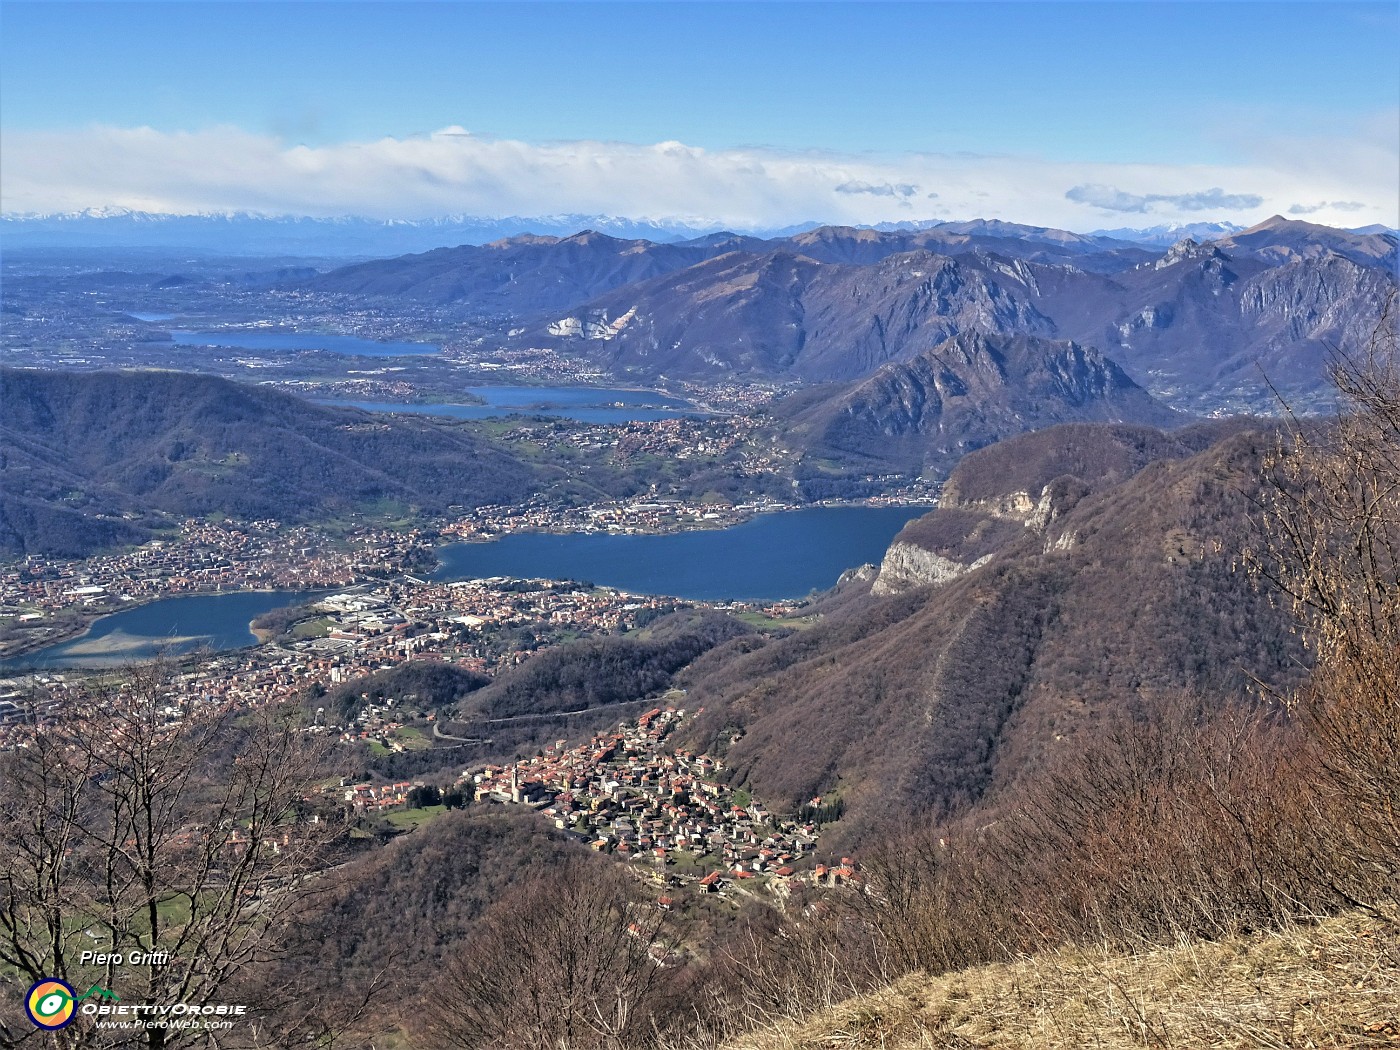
246,233
347,235
1169,233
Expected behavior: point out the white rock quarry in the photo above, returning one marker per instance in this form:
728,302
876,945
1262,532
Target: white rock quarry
595,325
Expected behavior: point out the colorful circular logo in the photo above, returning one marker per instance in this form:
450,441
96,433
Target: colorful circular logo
50,1004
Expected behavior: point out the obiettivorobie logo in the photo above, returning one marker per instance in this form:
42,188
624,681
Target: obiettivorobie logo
52,1004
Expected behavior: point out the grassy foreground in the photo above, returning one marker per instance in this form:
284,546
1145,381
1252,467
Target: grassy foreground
1336,983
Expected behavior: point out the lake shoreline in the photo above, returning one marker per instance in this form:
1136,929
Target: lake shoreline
581,403
744,515
773,556
691,534
11,657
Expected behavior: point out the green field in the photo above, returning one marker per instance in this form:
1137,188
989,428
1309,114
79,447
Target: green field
411,738
408,819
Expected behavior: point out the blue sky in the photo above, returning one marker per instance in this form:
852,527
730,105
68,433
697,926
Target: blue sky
915,108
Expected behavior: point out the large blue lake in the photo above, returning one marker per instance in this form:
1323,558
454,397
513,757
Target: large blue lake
289,341
215,621
585,404
785,555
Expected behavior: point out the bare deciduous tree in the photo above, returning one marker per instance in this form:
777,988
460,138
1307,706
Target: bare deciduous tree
169,839
567,960
1333,524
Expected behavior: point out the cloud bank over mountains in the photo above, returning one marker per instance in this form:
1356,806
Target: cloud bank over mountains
453,171
1109,198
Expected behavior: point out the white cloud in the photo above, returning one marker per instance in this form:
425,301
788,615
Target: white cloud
1313,209
453,171
883,189
1215,200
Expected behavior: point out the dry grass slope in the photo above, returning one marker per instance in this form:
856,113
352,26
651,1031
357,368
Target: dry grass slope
1333,984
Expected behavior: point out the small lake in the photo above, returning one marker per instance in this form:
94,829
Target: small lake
783,555
282,342
216,621
151,318
585,404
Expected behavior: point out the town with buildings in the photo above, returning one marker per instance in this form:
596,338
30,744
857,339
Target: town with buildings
628,795
350,634
668,811
45,600
624,792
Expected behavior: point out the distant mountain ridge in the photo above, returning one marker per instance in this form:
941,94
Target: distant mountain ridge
1206,326
241,232
1168,234
920,417
250,233
525,274
1200,325
244,233
1283,240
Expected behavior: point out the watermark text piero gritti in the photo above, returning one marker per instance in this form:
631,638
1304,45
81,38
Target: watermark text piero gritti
132,958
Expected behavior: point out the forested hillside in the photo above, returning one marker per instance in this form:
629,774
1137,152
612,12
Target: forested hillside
601,672
955,685
115,446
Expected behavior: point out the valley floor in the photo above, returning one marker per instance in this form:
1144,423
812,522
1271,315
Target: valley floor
1336,983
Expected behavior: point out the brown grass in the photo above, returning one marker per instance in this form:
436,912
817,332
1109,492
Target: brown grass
1333,984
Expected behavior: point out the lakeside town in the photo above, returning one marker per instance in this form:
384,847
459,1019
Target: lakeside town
47,600
622,791
44,600
478,625
346,635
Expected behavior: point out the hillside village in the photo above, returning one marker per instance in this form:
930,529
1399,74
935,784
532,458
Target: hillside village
625,794
629,796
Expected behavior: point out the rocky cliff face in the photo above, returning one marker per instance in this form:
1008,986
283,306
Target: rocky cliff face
906,566
1027,486
1017,506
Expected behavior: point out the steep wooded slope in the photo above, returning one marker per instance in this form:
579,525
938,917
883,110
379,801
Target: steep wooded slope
930,698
